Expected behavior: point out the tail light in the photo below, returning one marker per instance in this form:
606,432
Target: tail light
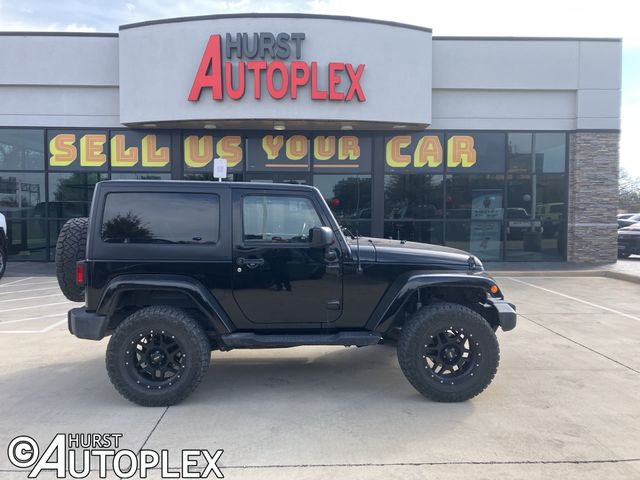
81,273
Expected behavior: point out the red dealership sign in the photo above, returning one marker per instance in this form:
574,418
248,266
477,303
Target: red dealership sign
248,61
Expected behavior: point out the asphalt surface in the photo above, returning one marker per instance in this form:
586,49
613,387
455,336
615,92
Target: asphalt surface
564,404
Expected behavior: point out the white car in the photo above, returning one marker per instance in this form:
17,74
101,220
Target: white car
3,244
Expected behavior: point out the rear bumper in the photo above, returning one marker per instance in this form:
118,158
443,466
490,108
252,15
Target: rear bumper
87,325
505,313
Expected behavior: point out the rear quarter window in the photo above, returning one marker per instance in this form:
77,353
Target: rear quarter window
161,218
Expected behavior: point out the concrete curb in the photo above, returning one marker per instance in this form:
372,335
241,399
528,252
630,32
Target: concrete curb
629,277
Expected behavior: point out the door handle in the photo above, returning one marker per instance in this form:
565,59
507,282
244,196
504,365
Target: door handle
250,262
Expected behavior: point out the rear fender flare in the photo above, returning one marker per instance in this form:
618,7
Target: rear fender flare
215,316
406,284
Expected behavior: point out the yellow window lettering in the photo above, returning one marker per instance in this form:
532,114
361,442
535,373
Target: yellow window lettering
394,157
198,151
297,147
92,150
63,150
230,149
121,156
272,144
460,151
324,148
348,148
152,156
428,152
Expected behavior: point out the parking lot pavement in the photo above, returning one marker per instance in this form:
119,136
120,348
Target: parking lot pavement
564,404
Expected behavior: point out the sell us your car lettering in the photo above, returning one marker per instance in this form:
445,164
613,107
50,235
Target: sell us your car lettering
401,151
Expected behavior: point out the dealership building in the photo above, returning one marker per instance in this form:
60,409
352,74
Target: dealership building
507,147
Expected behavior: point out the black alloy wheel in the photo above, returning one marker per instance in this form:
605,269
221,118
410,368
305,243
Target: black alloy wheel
448,352
155,359
158,355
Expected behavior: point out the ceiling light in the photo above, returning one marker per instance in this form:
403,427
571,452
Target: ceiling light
346,127
149,125
278,126
209,126
399,126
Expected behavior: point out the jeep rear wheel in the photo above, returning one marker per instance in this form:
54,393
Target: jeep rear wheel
71,248
448,352
157,356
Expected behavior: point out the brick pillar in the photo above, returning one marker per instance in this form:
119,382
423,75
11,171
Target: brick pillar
593,197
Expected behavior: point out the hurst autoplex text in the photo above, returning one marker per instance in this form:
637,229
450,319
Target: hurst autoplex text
260,65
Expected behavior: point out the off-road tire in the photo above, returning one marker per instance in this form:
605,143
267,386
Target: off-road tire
176,322
70,248
430,321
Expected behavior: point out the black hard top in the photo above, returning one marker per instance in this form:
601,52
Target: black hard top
166,184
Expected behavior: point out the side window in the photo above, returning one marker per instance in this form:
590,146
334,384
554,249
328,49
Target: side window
278,219
161,218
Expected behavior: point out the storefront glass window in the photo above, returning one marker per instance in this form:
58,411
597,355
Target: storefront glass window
22,195
475,209
465,191
535,223
415,231
413,196
21,149
70,193
27,239
519,152
140,176
550,152
349,198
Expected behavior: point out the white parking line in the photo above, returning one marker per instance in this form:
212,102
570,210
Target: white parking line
36,306
44,330
48,282
6,322
30,290
607,309
31,298
15,281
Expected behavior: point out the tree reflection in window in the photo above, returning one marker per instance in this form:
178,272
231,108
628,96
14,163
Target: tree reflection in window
127,228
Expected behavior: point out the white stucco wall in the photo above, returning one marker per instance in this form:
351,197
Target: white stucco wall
506,84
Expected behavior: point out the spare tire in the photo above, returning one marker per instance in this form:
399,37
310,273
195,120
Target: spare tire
70,248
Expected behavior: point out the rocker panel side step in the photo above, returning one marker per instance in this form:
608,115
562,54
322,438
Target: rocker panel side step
253,340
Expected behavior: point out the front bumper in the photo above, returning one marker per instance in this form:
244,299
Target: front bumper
87,325
630,246
505,313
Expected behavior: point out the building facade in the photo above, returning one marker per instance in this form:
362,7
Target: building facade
507,147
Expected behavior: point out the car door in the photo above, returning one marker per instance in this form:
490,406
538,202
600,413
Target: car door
279,278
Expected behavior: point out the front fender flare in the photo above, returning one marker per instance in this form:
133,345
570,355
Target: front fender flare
207,304
406,284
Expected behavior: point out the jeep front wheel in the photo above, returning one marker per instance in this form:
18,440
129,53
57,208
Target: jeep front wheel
157,356
448,352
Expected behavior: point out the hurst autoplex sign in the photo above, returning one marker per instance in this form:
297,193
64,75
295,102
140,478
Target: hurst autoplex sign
234,67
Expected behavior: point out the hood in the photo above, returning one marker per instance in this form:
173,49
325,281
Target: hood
413,253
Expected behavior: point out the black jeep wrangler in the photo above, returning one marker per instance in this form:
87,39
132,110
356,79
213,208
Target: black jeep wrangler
174,270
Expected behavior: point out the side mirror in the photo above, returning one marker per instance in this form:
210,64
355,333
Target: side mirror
320,236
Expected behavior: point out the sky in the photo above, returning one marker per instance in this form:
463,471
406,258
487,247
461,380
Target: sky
540,18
